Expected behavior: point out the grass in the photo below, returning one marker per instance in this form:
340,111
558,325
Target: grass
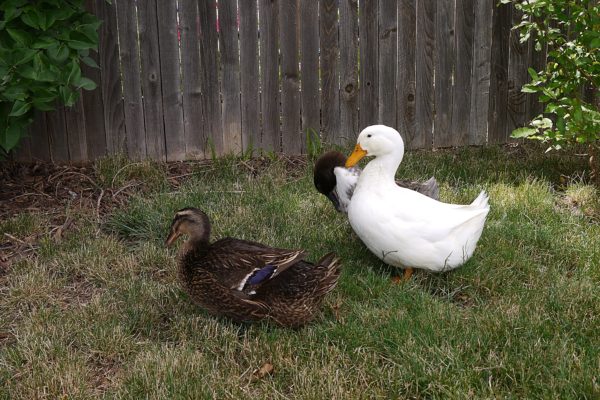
101,314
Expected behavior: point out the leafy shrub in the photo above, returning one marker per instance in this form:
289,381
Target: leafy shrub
42,44
571,31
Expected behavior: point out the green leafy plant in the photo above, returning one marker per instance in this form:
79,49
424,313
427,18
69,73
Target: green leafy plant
569,83
314,145
42,45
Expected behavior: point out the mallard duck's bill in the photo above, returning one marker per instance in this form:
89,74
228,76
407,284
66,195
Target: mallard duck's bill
172,237
356,156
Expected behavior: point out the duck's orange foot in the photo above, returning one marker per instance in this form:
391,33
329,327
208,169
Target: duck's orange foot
405,276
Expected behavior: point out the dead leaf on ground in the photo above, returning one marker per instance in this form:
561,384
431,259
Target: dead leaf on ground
264,370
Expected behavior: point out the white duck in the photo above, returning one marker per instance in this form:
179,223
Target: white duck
404,228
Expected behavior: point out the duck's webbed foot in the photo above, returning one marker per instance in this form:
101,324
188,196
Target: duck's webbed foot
405,276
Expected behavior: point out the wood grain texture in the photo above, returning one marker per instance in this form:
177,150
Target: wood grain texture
461,95
38,135
250,98
348,71
518,63
76,132
498,93
230,84
369,84
91,114
196,133
309,64
209,77
425,45
171,84
131,74
406,69
57,134
388,52
445,58
22,153
113,117
151,79
330,101
480,82
291,136
269,61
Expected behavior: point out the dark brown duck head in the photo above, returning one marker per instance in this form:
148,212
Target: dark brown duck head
191,222
324,177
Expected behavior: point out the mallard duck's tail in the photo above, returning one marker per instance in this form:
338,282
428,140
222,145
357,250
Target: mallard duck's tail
331,268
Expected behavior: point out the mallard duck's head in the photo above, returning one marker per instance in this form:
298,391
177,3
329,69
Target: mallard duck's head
191,222
375,141
324,176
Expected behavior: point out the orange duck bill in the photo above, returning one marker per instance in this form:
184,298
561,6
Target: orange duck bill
356,156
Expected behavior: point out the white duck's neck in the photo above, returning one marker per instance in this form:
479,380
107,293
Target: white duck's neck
382,169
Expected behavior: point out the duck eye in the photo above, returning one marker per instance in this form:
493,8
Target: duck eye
369,135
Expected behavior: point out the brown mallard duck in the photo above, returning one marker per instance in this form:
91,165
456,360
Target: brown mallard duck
248,281
337,183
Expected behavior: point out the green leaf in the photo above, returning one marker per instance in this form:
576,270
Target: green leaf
533,74
31,19
58,53
87,84
75,74
19,108
10,137
44,42
523,132
20,36
90,61
43,105
15,92
529,89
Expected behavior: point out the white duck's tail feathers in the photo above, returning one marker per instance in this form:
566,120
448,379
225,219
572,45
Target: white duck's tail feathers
482,201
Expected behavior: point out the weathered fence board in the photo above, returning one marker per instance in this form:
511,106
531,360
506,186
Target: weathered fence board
249,77
197,78
498,95
290,77
481,73
445,55
426,11
230,63
309,64
406,69
369,87
151,79
193,110
348,70
330,102
269,75
388,52
461,94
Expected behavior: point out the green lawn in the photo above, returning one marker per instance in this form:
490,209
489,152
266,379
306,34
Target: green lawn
101,314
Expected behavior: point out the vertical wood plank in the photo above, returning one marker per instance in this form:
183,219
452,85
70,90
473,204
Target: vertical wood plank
57,133
132,86
170,76
368,80
461,96
76,132
330,103
209,77
196,133
22,153
291,137
40,140
498,93
309,59
348,70
151,79
445,57
112,118
480,84
406,69
91,113
249,74
268,20
517,77
425,44
388,50
230,64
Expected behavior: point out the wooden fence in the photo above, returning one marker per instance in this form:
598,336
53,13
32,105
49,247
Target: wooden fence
192,78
